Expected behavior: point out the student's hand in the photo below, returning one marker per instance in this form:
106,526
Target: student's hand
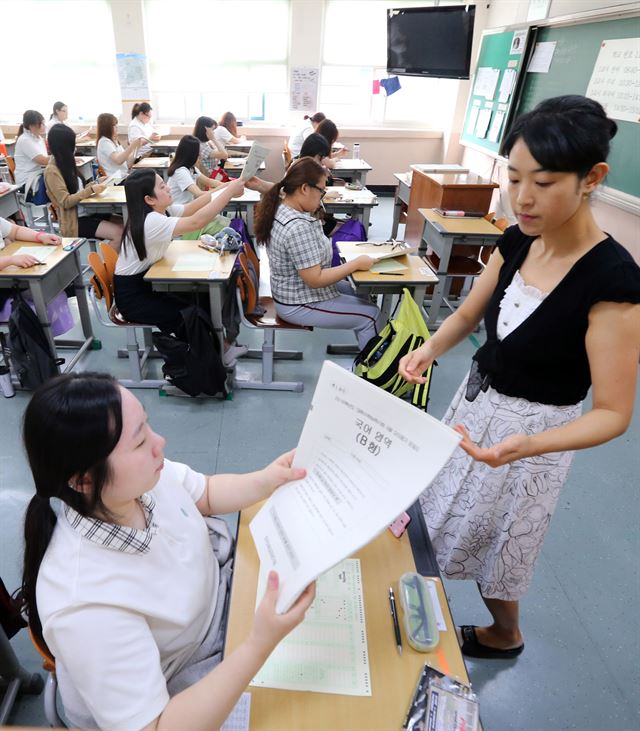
23,260
414,364
255,183
138,142
280,472
155,137
363,263
268,627
49,239
102,178
236,186
509,450
98,188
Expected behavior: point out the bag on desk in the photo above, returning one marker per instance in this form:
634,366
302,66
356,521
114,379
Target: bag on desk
31,356
192,361
378,361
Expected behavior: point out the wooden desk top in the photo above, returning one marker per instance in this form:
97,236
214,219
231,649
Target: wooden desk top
112,194
165,143
439,168
40,270
153,163
9,141
162,271
249,196
238,163
243,145
348,197
352,163
452,225
417,272
84,159
393,677
403,178
460,180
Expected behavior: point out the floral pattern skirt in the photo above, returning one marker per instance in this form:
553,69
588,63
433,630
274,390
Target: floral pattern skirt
488,524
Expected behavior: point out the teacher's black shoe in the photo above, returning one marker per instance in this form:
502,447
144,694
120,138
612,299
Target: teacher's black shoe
471,647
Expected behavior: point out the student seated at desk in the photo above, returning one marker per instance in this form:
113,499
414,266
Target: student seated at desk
329,131
66,188
211,151
184,181
226,132
11,231
137,625
310,125
140,126
30,154
112,157
305,288
60,115
154,221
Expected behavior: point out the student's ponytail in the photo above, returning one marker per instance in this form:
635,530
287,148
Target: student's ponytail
135,110
266,212
71,425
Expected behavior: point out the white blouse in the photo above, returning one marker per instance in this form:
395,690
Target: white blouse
519,301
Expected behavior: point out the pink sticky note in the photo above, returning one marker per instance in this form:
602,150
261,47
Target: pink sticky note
376,87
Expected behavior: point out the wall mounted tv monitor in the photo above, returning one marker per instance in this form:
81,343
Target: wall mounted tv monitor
431,41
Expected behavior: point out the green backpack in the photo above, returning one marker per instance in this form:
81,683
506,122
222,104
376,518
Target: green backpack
378,361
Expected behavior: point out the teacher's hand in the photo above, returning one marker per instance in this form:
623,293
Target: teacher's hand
414,364
509,450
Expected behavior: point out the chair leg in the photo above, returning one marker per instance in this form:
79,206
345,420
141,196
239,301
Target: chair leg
267,383
50,707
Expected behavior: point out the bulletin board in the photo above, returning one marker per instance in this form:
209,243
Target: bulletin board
494,87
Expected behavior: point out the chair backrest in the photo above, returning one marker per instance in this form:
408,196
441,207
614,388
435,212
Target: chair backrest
501,223
102,280
251,256
48,661
246,287
287,157
110,257
11,164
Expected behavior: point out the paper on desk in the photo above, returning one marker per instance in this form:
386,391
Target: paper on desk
113,179
39,252
368,456
257,155
238,719
203,262
379,251
328,652
388,266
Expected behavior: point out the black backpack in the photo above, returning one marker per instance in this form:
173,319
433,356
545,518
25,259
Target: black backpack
192,361
31,355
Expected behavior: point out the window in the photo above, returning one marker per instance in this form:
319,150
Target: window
355,54
47,59
218,55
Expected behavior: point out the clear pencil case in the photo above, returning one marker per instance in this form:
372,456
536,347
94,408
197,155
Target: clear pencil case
418,613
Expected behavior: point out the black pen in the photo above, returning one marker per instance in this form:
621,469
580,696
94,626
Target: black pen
389,274
394,616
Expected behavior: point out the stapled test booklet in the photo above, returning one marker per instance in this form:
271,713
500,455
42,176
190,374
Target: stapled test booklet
368,456
257,155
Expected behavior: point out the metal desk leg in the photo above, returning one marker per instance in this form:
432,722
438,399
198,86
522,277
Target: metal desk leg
250,208
81,297
215,302
397,212
366,215
35,287
439,289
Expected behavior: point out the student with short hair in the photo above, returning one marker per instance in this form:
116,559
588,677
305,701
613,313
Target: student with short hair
67,188
126,575
297,138
211,151
112,157
30,154
305,288
140,126
59,115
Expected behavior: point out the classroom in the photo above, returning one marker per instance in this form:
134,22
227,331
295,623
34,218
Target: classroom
207,234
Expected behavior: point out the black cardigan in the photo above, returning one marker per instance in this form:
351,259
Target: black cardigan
545,360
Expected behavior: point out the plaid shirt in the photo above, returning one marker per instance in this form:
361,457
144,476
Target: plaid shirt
116,537
297,242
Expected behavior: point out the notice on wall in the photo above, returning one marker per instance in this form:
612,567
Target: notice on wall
542,56
486,82
304,89
518,42
506,85
615,81
132,72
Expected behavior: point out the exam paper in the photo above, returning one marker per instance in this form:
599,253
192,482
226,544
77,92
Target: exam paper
195,262
368,456
39,252
379,251
388,266
255,158
238,719
327,652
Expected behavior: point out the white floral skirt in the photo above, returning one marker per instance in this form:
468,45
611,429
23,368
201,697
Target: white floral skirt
488,524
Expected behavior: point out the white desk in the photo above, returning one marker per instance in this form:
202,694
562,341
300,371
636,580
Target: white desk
358,203
247,202
9,202
111,200
353,168
242,146
234,166
159,164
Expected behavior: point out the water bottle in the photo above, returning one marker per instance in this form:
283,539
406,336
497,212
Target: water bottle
356,151
5,382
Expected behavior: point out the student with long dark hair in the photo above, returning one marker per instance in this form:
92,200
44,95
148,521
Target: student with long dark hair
330,132
126,582
211,151
561,304
67,188
305,288
112,157
59,115
140,126
299,136
30,154
185,183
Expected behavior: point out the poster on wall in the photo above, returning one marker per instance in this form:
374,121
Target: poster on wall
304,89
614,81
132,72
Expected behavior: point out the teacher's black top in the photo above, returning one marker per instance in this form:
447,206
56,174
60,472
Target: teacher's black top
544,360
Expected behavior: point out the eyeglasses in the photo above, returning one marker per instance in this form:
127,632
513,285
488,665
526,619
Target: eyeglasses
323,191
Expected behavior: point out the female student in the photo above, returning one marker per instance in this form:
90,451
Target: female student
113,158
31,151
154,221
60,115
226,133
310,125
66,188
329,131
305,288
211,151
144,603
182,177
560,302
140,126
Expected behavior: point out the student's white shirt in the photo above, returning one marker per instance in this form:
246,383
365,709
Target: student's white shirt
5,230
222,134
140,129
53,121
120,620
178,184
27,147
158,233
104,150
297,138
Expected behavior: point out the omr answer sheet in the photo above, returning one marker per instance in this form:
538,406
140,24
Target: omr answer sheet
368,456
327,652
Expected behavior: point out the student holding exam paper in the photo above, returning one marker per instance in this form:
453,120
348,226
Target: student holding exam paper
137,627
560,300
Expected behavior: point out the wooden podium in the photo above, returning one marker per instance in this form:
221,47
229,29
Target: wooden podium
467,192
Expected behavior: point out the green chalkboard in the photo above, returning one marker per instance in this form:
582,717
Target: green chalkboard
577,48
499,54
